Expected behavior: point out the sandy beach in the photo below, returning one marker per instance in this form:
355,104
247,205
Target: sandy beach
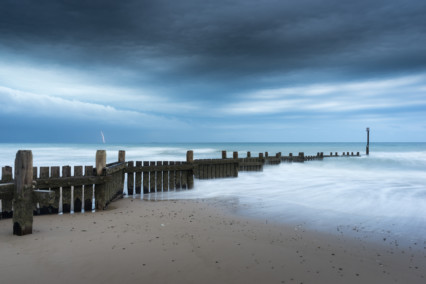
197,241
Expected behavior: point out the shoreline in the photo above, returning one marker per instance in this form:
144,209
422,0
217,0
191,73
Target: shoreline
194,241
357,230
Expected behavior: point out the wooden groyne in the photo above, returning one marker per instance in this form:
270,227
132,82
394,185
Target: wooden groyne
58,190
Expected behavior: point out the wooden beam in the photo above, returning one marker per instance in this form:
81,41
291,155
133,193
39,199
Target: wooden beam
71,181
115,168
154,168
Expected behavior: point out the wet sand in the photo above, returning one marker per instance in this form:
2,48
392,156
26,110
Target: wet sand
197,241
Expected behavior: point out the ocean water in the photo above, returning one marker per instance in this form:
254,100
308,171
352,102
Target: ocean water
379,197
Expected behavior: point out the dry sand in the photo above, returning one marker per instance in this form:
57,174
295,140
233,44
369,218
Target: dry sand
200,241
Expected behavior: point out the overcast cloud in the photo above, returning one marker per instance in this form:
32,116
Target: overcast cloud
191,70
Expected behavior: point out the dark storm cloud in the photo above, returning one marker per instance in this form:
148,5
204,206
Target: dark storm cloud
229,44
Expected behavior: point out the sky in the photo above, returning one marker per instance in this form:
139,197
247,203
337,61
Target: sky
212,71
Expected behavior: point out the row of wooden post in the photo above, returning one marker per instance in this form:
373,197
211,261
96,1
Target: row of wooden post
26,174
161,176
158,180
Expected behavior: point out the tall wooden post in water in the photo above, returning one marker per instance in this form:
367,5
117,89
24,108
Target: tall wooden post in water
367,149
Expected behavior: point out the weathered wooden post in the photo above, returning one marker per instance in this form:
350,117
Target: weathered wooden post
66,191
100,200
172,176
235,155
301,156
88,190
6,177
138,177
235,170
130,178
121,156
223,154
166,177
266,154
23,202
78,190
159,179
145,178
190,176
178,176
248,155
55,172
260,155
152,177
122,159
367,148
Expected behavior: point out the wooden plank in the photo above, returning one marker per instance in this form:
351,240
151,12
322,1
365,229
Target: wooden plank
213,167
66,191
152,177
178,179
44,173
146,179
130,178
54,174
252,163
71,181
235,172
116,167
184,179
228,170
7,197
211,161
159,174
23,203
165,177
199,171
159,168
88,189
6,174
35,173
172,177
78,190
209,171
138,177
190,177
100,189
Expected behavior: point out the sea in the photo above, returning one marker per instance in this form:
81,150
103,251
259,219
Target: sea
379,197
